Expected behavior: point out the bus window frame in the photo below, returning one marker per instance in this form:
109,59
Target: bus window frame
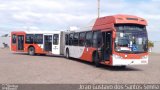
71,39
36,38
15,39
57,39
76,44
66,39
30,41
96,39
90,39
82,44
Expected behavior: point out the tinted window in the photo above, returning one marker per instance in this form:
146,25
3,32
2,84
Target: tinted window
133,37
131,27
38,38
76,37
97,39
14,38
55,39
29,39
66,39
82,39
89,39
71,39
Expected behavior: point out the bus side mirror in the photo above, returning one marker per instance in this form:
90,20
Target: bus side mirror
114,34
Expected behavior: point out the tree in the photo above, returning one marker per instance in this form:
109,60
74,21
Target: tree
150,44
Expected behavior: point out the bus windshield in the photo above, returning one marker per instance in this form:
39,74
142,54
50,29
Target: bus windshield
131,39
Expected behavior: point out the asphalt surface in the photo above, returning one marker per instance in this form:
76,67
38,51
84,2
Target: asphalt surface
18,68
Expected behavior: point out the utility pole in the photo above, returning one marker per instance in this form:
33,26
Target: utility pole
98,8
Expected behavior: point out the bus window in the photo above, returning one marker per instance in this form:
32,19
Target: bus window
89,39
55,39
71,39
14,39
82,39
66,39
75,41
97,39
38,38
29,38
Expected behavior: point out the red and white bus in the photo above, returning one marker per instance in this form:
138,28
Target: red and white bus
38,42
117,40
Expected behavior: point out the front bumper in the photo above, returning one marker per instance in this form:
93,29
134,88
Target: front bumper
121,62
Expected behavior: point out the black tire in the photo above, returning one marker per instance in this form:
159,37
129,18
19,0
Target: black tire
43,54
67,54
122,67
96,60
31,51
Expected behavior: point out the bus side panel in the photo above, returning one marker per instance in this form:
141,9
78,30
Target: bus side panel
87,54
13,47
38,48
75,51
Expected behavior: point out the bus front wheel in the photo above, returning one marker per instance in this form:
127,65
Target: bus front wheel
31,51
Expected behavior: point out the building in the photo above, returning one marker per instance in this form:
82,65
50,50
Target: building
4,39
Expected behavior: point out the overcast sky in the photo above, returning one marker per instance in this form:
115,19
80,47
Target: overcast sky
61,14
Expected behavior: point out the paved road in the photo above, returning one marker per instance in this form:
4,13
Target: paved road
24,69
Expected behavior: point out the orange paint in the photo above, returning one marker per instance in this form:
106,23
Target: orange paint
87,54
38,49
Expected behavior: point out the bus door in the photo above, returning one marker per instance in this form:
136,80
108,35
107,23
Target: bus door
14,42
56,44
107,45
48,43
20,43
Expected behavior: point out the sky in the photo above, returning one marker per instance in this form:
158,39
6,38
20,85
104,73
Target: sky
62,14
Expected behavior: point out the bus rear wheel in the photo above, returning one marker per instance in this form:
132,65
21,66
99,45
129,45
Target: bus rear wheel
96,60
67,54
31,51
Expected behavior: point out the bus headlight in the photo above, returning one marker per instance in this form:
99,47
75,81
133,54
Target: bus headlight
145,57
117,57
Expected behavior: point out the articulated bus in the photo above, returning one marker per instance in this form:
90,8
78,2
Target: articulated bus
117,40
38,42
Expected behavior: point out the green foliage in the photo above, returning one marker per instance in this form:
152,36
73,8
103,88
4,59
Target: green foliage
150,44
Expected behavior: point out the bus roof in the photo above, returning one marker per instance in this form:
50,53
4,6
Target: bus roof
108,21
36,32
100,23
